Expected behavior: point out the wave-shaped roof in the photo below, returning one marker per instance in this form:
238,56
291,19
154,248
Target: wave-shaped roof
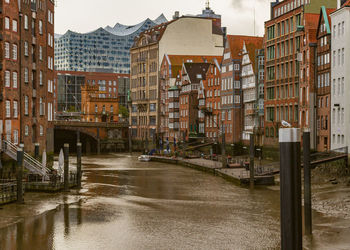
124,30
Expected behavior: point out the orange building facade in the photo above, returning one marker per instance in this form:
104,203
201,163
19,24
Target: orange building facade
96,107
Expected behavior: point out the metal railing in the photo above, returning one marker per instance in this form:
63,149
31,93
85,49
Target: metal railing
29,162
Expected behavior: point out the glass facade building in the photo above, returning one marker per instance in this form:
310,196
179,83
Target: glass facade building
103,50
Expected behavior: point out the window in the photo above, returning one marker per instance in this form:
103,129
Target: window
7,79
15,137
237,99
8,109
40,27
14,52
14,79
26,130
25,22
7,23
41,130
14,25
41,78
96,108
236,67
41,53
26,48
7,50
26,105
26,75
41,106
49,110
15,109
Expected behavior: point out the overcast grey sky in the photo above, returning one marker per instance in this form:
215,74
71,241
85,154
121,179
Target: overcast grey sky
88,15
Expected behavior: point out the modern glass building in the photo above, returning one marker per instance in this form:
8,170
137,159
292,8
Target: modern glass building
103,50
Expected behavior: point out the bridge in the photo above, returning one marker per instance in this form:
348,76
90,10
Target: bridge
95,136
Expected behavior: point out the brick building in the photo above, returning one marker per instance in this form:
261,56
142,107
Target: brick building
170,83
324,80
26,72
191,76
186,35
210,101
250,70
290,49
98,106
70,83
260,112
231,88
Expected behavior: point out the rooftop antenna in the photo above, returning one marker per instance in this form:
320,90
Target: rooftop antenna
207,5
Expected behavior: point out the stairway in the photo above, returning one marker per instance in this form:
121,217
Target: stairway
29,162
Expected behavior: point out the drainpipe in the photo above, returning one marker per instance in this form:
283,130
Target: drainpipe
315,109
20,80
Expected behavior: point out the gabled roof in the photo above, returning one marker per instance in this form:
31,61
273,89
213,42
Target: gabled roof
153,35
196,71
346,4
311,25
325,15
236,42
176,61
160,29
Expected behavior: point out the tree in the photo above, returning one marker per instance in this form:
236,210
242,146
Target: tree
123,111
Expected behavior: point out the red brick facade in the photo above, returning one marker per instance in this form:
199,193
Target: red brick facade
324,81
27,76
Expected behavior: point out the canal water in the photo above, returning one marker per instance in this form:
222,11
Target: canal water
126,204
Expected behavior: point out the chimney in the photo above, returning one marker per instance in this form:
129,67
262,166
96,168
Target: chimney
338,4
176,15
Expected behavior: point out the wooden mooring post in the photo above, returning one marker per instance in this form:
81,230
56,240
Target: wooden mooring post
66,167
79,172
251,162
290,185
20,155
307,184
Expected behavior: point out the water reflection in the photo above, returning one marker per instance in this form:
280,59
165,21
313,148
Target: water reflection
130,205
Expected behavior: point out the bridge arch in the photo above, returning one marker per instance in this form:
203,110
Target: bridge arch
70,135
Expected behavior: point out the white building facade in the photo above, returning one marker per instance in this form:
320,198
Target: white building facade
340,109
249,94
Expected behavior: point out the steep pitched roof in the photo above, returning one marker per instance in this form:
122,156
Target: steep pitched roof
346,4
196,71
324,14
236,44
155,33
176,61
311,25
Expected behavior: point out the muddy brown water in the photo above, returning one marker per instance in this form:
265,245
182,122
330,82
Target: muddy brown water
126,204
